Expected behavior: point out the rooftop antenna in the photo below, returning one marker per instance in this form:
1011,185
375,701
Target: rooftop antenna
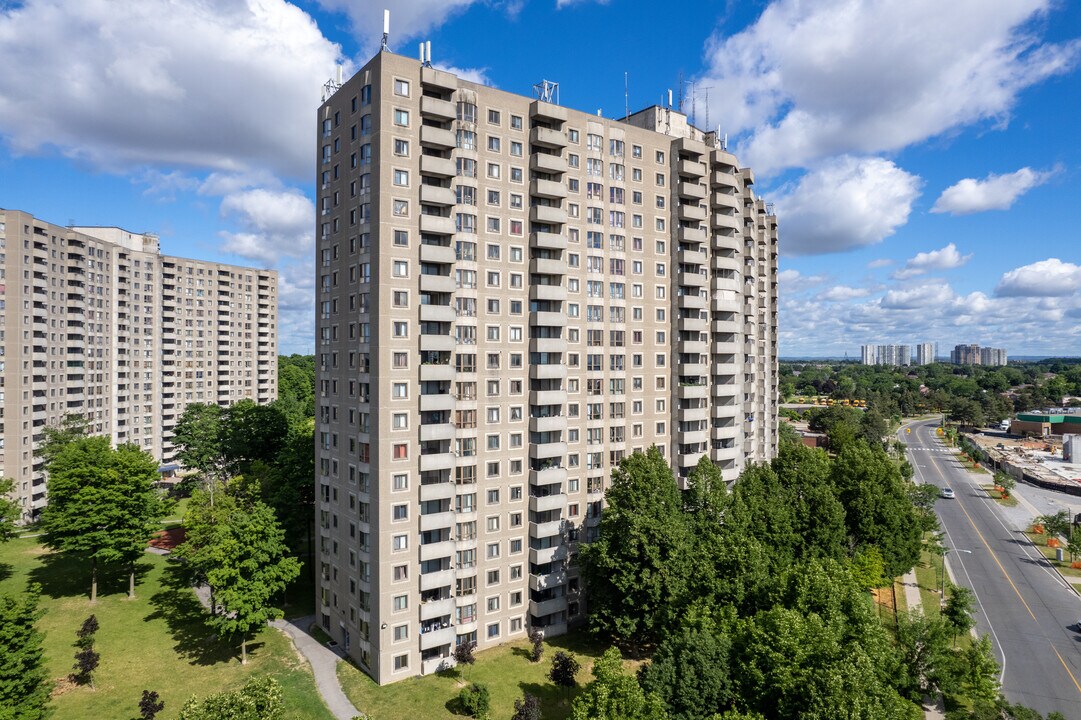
706,91
332,85
386,30
546,91
626,96
680,106
427,53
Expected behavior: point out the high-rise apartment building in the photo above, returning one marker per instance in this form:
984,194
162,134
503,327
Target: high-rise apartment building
512,297
885,355
97,322
868,355
975,355
925,353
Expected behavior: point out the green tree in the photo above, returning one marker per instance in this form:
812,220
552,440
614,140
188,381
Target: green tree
24,683
926,658
564,670
787,435
198,439
287,484
475,700
1056,525
637,570
979,674
251,432
10,512
72,426
615,695
958,609
706,490
259,699
205,525
102,504
868,568
690,673
527,707
464,656
1006,482
249,570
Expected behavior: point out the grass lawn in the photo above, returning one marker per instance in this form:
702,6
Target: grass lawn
1040,541
176,517
506,670
996,495
928,571
156,642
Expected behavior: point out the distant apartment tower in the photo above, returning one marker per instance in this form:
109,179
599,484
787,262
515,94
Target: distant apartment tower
512,297
975,355
885,355
925,353
95,321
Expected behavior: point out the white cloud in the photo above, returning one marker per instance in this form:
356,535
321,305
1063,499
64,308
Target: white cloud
1046,278
409,19
225,85
922,296
844,204
274,224
948,258
879,263
843,293
994,192
793,281
560,4
473,75
813,79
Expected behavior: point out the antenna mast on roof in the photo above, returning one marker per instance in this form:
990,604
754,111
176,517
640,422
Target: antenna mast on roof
547,91
386,30
626,96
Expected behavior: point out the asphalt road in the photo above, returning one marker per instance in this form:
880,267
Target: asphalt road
1021,603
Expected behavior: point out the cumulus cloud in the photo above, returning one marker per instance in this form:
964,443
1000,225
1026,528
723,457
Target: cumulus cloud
994,192
275,224
811,80
1046,278
227,86
879,263
793,281
409,19
843,293
922,296
844,204
948,258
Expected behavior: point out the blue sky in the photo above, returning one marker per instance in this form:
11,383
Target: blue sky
923,156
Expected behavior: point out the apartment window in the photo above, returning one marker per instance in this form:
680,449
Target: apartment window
401,451
401,117
401,178
660,157
401,512
493,604
401,421
493,630
516,149
401,147
493,117
493,198
401,87
401,572
493,171
401,632
400,360
493,143
401,238
516,122
401,268
401,482
400,391
572,136
401,542
401,329
400,208
492,496
401,662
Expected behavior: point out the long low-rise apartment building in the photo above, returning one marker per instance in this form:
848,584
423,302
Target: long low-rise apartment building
97,322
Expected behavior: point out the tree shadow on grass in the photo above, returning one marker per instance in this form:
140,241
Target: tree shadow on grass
6,571
186,617
554,701
64,575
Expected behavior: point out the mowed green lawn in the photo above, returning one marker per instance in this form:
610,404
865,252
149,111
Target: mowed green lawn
156,642
506,670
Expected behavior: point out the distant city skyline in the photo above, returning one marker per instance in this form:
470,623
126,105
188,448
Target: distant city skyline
946,201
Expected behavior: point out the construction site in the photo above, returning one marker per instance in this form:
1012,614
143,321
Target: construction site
1053,461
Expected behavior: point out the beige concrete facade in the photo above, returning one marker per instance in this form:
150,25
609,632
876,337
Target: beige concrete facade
512,296
97,322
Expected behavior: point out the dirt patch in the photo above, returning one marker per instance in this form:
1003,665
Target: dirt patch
168,539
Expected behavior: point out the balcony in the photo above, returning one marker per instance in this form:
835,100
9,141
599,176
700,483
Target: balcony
549,345
437,521
691,168
550,580
547,215
691,414
551,164
692,324
436,608
547,240
730,201
691,302
547,607
691,234
437,638
693,436
691,213
547,188
436,253
553,528
437,137
689,459
547,555
694,191
438,79
435,195
546,137
437,491
690,146
722,220
545,292
547,111
435,373
538,371
729,453
434,107
433,403
434,551
547,476
437,283
693,279
437,225
554,423
437,313
437,166
543,451
694,347
543,318
437,343
547,266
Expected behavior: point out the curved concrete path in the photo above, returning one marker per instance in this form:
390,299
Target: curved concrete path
324,664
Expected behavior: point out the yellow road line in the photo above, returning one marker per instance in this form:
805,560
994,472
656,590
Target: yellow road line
995,558
1067,669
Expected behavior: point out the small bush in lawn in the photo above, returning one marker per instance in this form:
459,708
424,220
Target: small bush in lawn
537,638
475,700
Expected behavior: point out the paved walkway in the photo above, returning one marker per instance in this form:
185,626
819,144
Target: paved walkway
324,664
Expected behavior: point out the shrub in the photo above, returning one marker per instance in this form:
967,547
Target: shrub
475,700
